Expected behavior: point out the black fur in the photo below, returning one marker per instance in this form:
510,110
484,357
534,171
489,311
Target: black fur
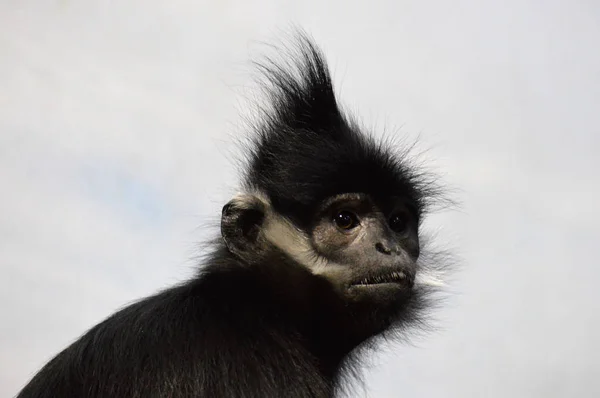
265,328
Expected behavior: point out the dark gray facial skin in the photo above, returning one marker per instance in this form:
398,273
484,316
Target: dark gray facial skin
377,244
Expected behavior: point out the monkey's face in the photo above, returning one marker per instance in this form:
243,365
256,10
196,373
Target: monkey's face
371,247
367,249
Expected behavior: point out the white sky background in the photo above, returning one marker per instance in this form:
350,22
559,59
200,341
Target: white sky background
117,119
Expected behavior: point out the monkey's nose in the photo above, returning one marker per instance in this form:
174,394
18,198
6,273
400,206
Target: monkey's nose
382,248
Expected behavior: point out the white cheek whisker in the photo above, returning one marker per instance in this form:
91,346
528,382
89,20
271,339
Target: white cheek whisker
295,243
430,278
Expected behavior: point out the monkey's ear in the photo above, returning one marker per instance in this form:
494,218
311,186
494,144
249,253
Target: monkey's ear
241,220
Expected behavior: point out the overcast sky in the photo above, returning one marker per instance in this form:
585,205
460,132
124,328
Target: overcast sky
118,119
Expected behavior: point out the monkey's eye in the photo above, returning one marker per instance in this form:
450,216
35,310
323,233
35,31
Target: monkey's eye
398,223
345,220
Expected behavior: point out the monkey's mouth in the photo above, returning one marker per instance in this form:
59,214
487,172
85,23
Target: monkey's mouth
394,277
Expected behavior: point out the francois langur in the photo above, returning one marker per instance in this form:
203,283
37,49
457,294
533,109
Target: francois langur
318,256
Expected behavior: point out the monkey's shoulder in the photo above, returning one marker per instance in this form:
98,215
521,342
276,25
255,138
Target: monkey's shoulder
201,338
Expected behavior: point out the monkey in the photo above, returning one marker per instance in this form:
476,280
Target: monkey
319,256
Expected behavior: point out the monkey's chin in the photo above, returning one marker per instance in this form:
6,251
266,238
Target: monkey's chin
377,306
382,292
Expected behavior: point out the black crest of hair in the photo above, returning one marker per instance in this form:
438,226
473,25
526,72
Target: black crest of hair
307,149
254,321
